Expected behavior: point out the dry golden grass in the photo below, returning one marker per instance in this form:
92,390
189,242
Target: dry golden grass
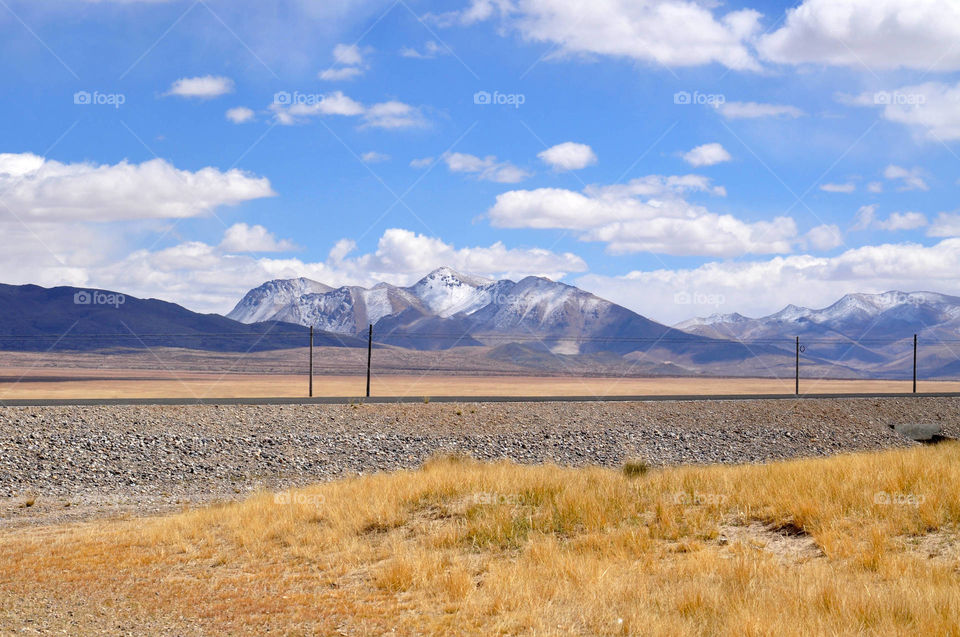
856,544
69,383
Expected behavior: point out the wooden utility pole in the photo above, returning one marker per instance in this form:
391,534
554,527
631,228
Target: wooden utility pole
369,354
914,363
311,361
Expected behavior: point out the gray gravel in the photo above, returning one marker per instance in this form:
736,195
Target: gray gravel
78,462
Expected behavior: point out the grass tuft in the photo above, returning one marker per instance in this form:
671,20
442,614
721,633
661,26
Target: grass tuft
635,468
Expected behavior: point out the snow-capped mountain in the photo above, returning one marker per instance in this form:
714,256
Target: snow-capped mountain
447,309
266,301
857,317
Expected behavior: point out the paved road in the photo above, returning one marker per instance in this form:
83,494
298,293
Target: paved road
331,400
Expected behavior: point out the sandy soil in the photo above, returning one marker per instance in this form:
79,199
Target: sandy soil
26,383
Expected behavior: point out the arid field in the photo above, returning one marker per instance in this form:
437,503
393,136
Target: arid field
864,544
38,383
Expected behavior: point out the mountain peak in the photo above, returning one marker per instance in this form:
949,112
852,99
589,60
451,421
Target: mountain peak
449,275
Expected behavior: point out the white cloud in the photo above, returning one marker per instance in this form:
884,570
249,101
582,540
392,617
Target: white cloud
206,87
932,109
393,115
241,237
947,224
869,35
240,114
646,214
430,50
757,288
903,221
348,63
486,168
421,162
568,156
911,179
34,188
373,157
211,278
875,187
707,155
406,256
754,110
824,237
866,218
846,188
478,11
347,54
669,32
387,115
340,73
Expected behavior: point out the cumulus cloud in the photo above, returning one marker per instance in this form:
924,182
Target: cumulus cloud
373,157
568,156
648,214
707,155
754,110
348,63
845,188
824,237
406,256
866,218
393,114
430,50
947,224
340,73
673,33
903,221
241,237
869,34
421,162
240,114
206,87
388,115
32,187
213,278
757,288
487,168
909,179
931,109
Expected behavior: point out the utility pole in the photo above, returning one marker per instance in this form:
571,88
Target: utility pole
369,354
311,361
914,363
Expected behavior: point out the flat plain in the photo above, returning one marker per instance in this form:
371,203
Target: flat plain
71,383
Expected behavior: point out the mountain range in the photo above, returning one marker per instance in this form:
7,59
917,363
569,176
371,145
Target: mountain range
533,324
448,309
868,331
33,318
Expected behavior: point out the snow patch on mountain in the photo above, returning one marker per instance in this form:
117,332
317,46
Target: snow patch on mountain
447,292
266,302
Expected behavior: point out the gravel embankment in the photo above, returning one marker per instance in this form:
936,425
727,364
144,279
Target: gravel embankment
78,462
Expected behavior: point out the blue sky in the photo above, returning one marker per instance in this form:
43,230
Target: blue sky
680,158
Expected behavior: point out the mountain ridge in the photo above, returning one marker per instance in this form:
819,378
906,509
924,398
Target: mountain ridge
446,308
